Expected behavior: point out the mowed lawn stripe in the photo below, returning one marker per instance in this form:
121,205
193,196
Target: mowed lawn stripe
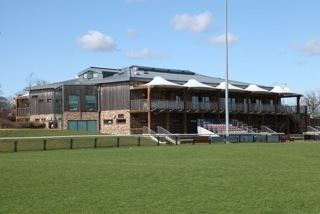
236,178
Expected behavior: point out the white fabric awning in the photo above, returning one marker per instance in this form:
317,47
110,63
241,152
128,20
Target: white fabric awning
231,87
283,90
257,89
192,83
278,89
160,82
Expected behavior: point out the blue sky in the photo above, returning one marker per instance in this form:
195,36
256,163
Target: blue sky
272,42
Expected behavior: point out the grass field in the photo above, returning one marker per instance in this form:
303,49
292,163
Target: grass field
64,143
233,178
41,132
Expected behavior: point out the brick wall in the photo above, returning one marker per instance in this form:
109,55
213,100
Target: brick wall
42,118
119,122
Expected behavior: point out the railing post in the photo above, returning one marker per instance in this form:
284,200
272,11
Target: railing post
44,145
158,138
15,146
139,141
176,140
71,143
118,142
193,142
95,143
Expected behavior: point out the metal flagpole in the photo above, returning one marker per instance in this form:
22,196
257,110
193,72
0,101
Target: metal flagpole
226,73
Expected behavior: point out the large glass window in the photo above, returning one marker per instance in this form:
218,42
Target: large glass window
73,103
90,102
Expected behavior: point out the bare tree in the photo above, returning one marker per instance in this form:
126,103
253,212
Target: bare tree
312,100
31,81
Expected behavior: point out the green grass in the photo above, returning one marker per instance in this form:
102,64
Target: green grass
64,143
233,178
41,132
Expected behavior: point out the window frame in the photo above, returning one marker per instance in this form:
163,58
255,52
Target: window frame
70,104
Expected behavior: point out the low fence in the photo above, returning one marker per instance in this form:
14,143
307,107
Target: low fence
15,144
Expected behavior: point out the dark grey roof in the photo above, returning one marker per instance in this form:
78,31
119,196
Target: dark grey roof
100,70
178,76
144,74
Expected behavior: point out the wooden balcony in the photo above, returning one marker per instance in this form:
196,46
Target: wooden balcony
201,107
167,105
194,107
139,105
23,112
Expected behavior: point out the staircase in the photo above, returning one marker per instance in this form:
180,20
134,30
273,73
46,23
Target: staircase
150,132
166,135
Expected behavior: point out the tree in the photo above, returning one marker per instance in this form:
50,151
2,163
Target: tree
312,100
31,81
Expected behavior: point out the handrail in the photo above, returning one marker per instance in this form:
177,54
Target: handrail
267,129
312,129
166,133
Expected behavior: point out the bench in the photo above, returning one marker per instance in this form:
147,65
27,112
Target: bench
285,138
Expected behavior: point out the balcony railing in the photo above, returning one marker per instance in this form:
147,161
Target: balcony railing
21,112
189,106
167,105
139,105
202,106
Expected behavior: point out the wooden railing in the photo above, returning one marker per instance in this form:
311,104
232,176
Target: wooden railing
21,112
202,106
189,106
167,105
139,104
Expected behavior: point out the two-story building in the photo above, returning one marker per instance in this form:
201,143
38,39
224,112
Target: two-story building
123,101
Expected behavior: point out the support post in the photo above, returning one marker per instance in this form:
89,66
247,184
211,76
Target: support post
15,146
95,143
44,145
71,143
118,142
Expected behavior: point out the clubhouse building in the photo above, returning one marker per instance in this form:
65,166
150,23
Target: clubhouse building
124,101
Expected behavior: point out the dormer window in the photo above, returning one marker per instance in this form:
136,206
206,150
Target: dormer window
90,75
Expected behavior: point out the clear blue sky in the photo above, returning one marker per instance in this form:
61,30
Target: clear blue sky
273,42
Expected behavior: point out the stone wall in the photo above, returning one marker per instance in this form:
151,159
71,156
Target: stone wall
42,118
115,122
67,115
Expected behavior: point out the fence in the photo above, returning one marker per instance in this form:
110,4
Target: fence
15,144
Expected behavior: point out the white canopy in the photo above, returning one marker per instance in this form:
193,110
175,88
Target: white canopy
160,82
192,83
257,89
284,90
278,89
222,86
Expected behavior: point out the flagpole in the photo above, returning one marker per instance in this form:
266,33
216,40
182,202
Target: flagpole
226,72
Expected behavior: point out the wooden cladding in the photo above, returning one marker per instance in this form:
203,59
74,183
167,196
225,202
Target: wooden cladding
41,102
115,96
80,91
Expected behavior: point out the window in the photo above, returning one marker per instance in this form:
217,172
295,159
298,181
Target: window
34,96
90,75
40,100
36,120
121,116
73,103
90,102
121,121
107,122
49,100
